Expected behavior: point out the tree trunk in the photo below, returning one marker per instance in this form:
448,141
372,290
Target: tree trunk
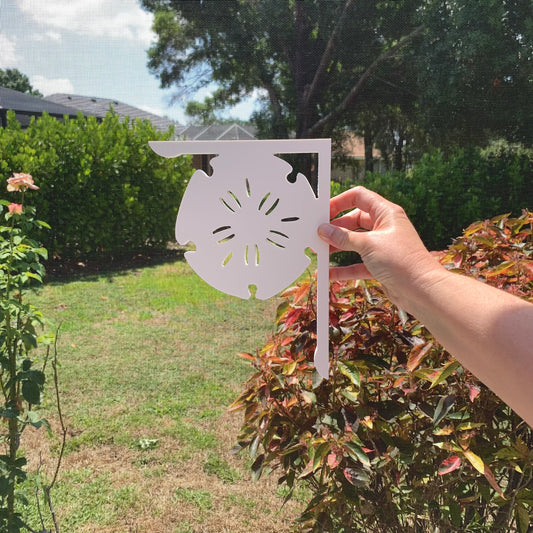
398,153
369,150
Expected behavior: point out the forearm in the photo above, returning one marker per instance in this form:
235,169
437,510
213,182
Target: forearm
489,331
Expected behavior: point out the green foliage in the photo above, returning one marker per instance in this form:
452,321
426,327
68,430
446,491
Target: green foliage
443,193
455,72
311,59
21,379
12,78
103,190
401,438
474,69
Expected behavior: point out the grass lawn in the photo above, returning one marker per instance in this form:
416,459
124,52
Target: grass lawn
148,368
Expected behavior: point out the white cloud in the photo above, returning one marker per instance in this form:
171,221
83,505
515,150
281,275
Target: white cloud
152,109
51,86
54,36
8,56
120,19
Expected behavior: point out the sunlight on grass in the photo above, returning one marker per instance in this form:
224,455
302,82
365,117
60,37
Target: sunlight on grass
148,369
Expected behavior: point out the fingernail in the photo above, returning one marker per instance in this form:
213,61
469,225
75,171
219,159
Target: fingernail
325,230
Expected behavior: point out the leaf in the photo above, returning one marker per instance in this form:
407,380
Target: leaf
357,477
257,467
333,460
441,374
449,465
443,408
29,340
357,453
350,395
473,392
351,371
475,461
309,397
448,430
455,514
247,356
281,310
31,392
487,472
254,446
466,426
371,361
320,453
34,418
289,368
507,454
500,269
307,470
417,354
522,518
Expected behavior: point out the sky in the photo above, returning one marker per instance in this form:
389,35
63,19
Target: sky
92,48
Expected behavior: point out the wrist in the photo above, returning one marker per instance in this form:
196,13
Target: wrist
422,285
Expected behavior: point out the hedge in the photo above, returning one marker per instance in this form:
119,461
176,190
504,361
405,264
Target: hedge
442,194
103,190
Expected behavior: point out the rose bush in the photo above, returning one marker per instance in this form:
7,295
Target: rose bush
22,378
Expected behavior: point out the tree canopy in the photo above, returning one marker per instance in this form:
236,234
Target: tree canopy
475,68
457,68
312,59
12,78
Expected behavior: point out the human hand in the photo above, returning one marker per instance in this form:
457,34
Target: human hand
379,230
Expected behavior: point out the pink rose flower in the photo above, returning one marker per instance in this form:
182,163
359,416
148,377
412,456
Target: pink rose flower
15,209
20,182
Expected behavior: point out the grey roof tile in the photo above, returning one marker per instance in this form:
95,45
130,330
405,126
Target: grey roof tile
99,107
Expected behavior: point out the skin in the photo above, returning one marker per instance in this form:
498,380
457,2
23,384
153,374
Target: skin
488,330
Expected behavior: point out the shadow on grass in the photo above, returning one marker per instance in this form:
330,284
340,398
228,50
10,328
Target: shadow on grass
88,269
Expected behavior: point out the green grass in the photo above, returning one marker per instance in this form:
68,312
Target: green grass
148,367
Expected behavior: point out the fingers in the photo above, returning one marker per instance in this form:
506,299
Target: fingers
354,220
357,271
359,197
339,238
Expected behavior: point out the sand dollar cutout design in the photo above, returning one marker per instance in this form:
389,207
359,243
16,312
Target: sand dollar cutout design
250,225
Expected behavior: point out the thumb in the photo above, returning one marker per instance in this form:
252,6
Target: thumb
338,237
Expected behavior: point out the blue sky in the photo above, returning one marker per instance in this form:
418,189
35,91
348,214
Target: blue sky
88,47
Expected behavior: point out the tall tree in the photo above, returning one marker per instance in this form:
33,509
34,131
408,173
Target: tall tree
312,59
12,78
396,71
475,68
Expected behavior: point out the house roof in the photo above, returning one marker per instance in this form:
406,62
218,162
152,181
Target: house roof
60,104
217,132
25,105
99,107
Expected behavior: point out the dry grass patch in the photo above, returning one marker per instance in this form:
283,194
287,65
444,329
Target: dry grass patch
148,369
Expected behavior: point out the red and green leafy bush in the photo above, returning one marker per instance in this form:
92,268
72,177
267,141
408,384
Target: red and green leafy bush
401,438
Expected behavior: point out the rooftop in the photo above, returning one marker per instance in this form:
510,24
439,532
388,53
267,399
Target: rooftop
99,107
25,106
217,132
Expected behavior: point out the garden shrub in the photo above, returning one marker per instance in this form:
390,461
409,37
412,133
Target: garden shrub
442,193
401,438
22,376
103,190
